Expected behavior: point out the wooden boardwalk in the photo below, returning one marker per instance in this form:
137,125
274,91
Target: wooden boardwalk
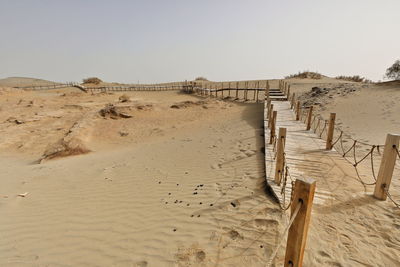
306,157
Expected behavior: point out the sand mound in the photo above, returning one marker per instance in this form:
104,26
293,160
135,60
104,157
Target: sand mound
113,112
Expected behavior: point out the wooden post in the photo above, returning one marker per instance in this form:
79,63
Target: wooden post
331,128
309,118
237,89
387,166
297,236
229,90
292,101
271,109
298,111
280,163
222,88
288,91
273,125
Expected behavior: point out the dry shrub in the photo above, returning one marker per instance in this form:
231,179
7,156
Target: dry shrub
305,75
64,149
201,79
92,80
124,98
354,78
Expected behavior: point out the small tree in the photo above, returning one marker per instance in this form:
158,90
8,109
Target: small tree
393,72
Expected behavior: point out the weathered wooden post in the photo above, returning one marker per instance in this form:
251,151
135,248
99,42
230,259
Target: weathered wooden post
310,110
273,125
298,111
288,92
331,128
246,85
271,109
387,166
280,163
222,89
292,101
237,90
303,195
229,89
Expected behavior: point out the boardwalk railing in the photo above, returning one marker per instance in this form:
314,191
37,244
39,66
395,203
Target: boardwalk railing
227,91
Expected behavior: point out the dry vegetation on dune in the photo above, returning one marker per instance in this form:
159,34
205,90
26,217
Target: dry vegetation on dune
354,78
201,79
305,75
92,80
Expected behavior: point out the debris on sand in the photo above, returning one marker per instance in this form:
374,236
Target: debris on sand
113,112
64,148
186,104
122,133
144,107
23,194
14,120
124,98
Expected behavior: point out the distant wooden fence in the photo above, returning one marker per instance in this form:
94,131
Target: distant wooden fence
228,91
105,88
46,86
136,88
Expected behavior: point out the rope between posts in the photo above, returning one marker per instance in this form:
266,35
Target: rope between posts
384,187
292,218
339,140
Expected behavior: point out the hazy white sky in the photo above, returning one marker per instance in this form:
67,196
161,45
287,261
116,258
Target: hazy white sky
156,41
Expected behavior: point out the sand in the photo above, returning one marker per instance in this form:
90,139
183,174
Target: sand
176,186
179,190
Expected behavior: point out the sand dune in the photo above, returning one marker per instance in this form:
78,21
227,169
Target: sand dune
179,181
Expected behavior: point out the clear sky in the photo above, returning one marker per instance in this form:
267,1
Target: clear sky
156,41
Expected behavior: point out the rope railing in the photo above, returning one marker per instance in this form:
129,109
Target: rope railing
353,154
275,252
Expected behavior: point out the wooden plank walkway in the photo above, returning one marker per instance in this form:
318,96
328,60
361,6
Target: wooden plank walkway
306,157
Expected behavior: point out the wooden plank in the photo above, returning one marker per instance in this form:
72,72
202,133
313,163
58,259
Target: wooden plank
280,164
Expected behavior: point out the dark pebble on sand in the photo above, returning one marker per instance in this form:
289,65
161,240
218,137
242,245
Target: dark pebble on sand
174,230
233,204
201,203
211,205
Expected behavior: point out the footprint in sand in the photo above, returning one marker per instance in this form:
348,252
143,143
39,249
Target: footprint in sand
265,223
233,234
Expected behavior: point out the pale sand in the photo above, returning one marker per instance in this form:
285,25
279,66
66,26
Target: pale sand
132,202
108,207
